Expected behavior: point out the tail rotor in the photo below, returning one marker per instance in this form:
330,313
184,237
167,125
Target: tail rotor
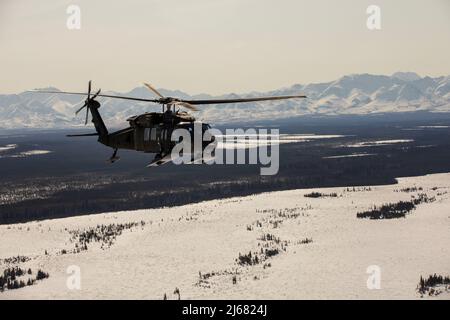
89,102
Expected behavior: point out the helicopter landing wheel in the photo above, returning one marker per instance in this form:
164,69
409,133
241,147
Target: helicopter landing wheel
158,156
114,157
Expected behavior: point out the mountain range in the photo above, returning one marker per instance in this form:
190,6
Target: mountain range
356,94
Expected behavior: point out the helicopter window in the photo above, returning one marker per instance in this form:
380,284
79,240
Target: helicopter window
205,127
147,134
153,136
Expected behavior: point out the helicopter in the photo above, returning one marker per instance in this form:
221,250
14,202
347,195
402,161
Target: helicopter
151,132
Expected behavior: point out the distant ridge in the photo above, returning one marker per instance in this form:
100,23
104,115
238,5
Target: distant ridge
351,94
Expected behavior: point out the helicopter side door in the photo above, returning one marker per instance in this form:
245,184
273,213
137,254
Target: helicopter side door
165,140
152,139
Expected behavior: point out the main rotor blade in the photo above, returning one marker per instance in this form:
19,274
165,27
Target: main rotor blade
220,101
154,90
96,94
186,105
99,95
192,102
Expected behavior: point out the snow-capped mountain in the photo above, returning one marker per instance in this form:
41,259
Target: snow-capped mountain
351,94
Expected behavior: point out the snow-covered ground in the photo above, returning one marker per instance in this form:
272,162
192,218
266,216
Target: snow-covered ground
11,147
195,247
378,143
350,155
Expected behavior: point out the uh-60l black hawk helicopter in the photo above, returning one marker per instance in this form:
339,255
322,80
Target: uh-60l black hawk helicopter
151,132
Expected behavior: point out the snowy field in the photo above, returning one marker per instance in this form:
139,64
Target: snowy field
314,248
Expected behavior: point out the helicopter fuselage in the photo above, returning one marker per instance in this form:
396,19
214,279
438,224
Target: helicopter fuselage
151,132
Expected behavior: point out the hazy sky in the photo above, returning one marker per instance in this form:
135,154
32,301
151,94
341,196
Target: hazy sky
216,46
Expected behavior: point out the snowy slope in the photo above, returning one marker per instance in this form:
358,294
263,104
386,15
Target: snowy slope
351,94
195,247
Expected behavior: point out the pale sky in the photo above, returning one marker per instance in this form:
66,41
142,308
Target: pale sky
216,46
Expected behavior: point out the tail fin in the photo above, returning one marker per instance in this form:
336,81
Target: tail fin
97,119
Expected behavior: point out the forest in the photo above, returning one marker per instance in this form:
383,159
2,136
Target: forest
74,180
